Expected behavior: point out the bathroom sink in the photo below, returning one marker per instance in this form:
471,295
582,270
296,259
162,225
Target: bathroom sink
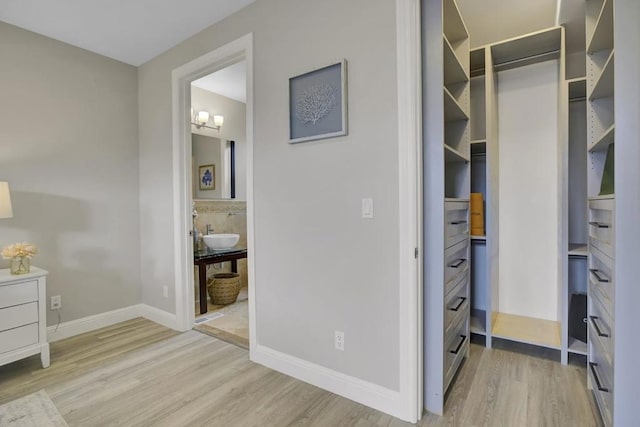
221,241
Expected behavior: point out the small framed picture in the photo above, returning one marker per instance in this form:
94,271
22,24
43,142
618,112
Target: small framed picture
318,104
207,174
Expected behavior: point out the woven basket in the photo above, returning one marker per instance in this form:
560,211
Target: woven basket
224,288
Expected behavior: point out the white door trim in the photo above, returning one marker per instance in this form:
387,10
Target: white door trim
410,203
181,78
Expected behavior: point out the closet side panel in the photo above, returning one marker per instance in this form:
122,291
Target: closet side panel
528,188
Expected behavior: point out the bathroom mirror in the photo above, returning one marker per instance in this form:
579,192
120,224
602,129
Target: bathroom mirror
213,166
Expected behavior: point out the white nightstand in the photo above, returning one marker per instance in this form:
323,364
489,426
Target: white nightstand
23,319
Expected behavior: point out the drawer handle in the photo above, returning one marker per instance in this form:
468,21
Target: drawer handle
458,263
595,376
595,325
599,224
596,272
464,338
458,222
457,307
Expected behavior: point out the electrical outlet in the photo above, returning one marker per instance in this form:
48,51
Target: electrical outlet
339,340
165,291
56,302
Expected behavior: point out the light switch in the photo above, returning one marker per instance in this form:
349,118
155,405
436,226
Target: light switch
367,208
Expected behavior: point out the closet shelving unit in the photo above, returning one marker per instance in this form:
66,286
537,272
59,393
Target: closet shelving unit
601,215
447,156
486,63
577,251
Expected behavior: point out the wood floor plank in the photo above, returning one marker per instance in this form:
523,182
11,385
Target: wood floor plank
140,374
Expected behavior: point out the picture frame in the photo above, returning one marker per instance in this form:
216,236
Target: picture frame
318,103
207,177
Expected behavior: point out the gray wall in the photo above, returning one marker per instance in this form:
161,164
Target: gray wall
319,266
233,129
68,147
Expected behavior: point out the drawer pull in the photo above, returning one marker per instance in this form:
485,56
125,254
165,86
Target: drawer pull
595,325
457,307
463,339
595,376
599,224
458,222
599,277
457,263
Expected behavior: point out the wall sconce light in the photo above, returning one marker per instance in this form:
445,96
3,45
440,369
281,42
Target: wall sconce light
5,201
201,119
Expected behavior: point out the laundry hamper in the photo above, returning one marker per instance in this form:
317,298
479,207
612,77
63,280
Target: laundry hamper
224,288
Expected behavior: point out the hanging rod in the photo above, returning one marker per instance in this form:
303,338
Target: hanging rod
581,99
530,59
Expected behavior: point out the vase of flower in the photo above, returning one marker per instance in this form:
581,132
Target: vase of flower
19,256
19,265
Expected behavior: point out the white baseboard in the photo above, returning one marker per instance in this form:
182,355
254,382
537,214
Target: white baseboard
91,323
364,392
161,317
102,320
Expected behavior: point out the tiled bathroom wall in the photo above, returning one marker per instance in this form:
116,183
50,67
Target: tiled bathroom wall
225,216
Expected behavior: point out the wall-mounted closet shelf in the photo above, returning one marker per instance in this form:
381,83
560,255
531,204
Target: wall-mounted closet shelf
578,250
577,347
477,322
604,85
452,109
526,50
603,197
454,27
528,330
602,143
602,37
451,155
577,89
479,147
479,238
454,71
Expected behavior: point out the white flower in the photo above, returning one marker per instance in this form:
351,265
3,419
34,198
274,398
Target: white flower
23,249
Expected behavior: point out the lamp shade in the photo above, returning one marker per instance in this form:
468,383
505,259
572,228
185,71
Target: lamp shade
203,117
218,120
5,201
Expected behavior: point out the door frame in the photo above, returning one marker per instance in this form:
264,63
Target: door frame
181,78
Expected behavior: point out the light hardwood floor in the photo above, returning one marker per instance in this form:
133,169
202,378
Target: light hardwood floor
140,374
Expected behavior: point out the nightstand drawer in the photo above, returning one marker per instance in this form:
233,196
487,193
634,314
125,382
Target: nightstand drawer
16,338
18,315
20,293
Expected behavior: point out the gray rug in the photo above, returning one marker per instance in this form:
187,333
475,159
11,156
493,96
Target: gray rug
35,409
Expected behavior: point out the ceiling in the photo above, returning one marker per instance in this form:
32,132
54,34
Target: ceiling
489,21
230,82
131,31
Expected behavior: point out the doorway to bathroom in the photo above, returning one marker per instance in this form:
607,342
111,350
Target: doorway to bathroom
218,171
213,129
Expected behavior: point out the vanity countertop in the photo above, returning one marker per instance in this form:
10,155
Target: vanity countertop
211,253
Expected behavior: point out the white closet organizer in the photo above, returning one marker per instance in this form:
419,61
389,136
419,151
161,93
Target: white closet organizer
510,267
577,208
446,185
601,214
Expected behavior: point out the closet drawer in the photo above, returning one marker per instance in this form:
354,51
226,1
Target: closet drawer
455,349
456,304
601,279
601,327
456,261
16,338
601,226
456,222
601,375
19,293
18,315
